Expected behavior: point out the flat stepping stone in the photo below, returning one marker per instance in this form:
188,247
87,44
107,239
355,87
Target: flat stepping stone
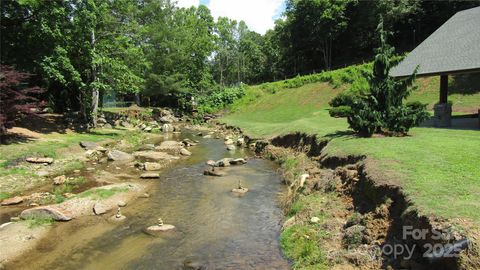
43,160
12,201
158,229
240,190
150,175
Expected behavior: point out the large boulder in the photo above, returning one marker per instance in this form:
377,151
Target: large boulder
154,155
49,211
117,155
170,147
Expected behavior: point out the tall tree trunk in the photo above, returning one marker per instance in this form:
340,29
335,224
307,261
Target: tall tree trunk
137,99
95,92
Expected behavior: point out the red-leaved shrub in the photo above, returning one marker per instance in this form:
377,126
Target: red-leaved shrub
17,98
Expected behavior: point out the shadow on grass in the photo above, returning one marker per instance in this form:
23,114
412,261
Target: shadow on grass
346,134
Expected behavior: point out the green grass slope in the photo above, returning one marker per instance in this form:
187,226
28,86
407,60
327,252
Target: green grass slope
438,168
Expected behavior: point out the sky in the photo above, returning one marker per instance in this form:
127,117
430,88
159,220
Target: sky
259,15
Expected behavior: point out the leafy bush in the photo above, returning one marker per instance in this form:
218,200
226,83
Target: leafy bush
363,119
16,98
219,98
340,111
382,109
345,98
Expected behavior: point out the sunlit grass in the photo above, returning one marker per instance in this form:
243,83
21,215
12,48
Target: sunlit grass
438,168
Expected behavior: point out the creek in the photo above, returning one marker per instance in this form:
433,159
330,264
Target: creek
215,229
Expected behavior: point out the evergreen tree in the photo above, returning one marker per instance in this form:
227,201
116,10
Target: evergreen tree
382,109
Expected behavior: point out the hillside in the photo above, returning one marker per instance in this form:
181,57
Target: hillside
437,168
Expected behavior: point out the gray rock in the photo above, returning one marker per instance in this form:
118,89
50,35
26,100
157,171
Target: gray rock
121,203
240,190
238,161
156,156
214,172
152,166
107,125
117,155
126,124
159,228
171,147
148,146
314,220
46,211
150,175
167,128
43,160
240,141
185,152
100,209
289,222
12,201
59,180
231,147
225,162
101,120
147,129
211,163
88,145
43,173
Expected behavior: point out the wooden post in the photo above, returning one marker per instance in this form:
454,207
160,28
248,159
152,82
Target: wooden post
443,89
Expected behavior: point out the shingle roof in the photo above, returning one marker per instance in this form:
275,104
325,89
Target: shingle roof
452,48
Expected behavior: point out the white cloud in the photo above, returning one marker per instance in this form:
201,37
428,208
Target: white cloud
187,3
257,14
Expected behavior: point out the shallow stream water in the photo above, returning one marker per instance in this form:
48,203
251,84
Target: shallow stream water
214,228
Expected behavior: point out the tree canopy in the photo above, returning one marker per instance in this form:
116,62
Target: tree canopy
158,54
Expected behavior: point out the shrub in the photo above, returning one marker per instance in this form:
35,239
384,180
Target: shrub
340,111
219,98
345,98
382,109
16,97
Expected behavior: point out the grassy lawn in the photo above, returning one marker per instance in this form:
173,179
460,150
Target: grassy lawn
438,168
49,144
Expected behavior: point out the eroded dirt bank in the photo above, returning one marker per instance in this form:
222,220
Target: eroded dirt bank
369,221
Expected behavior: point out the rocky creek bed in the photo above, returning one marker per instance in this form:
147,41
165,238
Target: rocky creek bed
213,226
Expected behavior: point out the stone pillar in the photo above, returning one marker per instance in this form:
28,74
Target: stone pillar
442,115
443,111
